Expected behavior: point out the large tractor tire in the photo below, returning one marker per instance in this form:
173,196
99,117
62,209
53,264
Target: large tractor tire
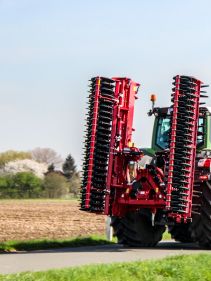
201,225
136,230
181,232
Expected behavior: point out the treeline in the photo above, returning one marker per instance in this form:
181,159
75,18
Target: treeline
20,184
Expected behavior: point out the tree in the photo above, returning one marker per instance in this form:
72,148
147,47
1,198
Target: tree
25,165
55,185
51,168
7,189
12,155
46,155
26,185
21,185
69,167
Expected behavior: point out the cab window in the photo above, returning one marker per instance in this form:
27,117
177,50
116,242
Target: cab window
163,130
200,135
162,137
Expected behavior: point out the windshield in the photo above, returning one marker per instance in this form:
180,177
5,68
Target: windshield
163,129
162,138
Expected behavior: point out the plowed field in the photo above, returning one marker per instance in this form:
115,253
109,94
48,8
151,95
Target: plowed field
37,219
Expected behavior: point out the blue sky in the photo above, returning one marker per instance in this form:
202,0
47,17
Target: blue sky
50,49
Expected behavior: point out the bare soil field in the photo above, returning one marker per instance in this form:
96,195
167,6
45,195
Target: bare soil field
38,219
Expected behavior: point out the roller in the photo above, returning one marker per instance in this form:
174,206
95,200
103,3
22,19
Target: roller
94,191
185,98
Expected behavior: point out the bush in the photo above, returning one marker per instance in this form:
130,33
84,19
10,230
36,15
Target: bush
28,185
55,185
21,185
7,189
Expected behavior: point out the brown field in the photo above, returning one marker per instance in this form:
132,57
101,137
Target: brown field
37,219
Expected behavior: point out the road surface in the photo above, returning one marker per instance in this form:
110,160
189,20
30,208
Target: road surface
68,257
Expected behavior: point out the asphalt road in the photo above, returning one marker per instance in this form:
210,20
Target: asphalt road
68,257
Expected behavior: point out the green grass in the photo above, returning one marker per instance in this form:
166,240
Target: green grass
177,268
166,236
43,244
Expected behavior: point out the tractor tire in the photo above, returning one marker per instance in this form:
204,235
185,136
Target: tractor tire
136,230
201,224
181,232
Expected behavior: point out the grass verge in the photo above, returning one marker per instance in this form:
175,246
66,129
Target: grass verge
32,245
44,244
181,268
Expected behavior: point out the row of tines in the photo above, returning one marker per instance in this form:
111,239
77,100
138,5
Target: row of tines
188,100
101,145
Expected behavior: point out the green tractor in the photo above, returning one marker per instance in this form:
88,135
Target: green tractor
200,227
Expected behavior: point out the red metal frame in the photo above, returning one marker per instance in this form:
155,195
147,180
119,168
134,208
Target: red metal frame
125,95
143,203
112,147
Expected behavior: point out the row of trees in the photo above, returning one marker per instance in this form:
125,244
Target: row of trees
56,183
40,155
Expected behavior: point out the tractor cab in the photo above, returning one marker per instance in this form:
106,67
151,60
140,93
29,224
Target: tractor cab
161,129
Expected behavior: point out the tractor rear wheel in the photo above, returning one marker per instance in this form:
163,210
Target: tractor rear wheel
136,230
181,232
201,224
